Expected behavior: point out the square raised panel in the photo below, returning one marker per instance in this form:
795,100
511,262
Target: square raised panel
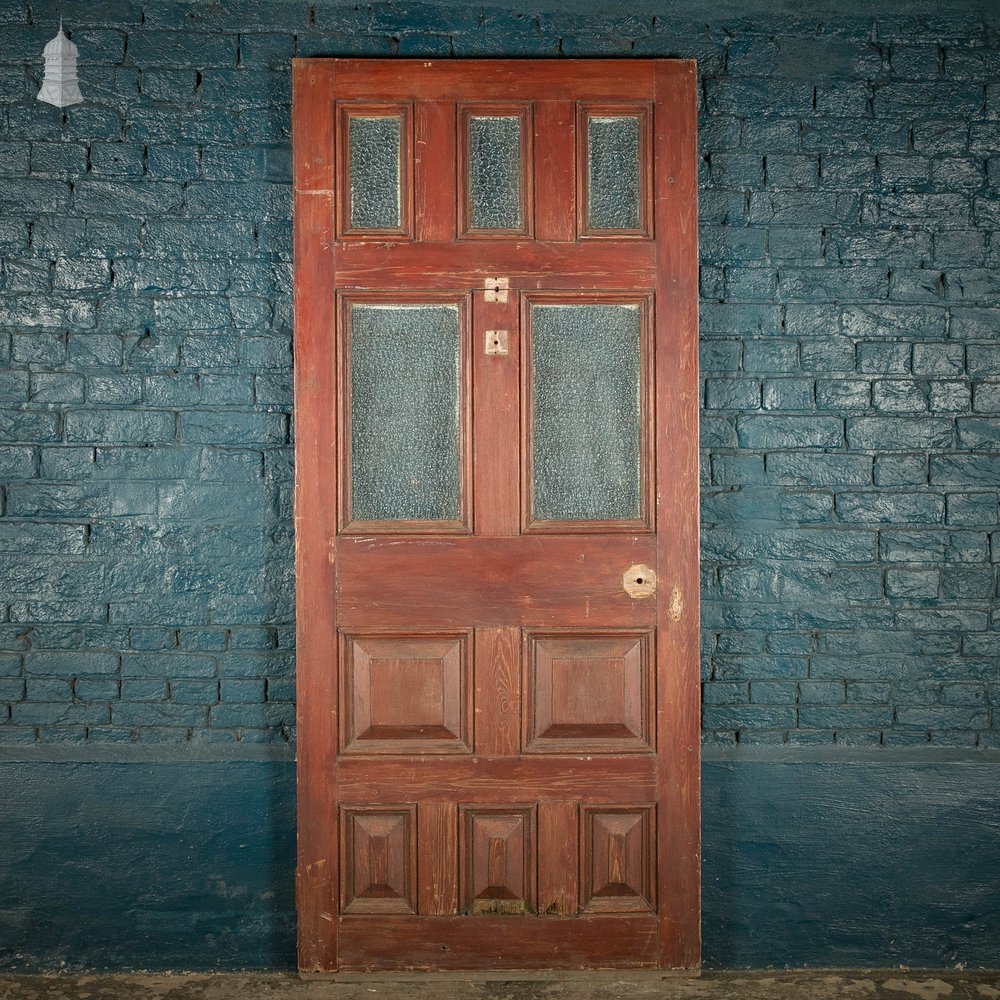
497,848
378,860
405,694
617,865
588,692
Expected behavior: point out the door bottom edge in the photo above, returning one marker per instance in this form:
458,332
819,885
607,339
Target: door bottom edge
501,975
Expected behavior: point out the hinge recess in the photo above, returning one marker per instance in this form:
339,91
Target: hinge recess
496,289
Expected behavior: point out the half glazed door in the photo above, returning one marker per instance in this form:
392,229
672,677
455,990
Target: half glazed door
496,507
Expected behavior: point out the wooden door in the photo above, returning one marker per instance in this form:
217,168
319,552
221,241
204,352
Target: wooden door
496,511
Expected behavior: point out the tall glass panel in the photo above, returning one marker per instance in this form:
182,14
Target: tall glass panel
494,172
613,178
405,411
586,378
374,172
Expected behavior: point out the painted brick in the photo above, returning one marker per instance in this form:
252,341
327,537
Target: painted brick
899,396
979,433
838,286
773,692
790,432
972,509
900,470
842,395
986,397
898,433
949,396
808,469
754,717
733,394
942,717
835,355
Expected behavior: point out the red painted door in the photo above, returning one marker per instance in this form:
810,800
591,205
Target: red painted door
496,507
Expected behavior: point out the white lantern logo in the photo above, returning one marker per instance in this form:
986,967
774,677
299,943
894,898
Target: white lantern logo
60,86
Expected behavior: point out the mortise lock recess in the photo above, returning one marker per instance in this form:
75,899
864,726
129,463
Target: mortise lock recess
497,342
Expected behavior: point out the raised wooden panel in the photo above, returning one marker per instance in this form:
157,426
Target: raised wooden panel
406,693
497,852
588,692
618,869
378,860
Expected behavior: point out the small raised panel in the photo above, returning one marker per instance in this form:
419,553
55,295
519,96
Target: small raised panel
497,857
406,693
379,860
617,865
588,693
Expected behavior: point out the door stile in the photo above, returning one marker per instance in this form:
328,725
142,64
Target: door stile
676,222
315,519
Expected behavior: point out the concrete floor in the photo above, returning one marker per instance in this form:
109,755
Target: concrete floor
811,985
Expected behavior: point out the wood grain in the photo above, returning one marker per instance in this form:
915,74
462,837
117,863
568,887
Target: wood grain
315,522
499,779
498,692
568,580
437,824
593,265
497,429
495,580
555,170
558,867
434,170
676,225
385,944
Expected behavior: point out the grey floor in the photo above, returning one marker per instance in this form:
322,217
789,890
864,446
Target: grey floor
811,985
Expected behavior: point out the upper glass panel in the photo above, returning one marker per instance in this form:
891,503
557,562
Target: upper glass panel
375,187
586,403
613,172
495,172
405,409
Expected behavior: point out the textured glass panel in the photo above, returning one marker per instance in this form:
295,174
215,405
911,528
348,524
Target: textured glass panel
404,412
585,383
495,172
375,197
613,172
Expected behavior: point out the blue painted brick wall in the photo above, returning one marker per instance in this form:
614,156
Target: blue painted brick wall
850,323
